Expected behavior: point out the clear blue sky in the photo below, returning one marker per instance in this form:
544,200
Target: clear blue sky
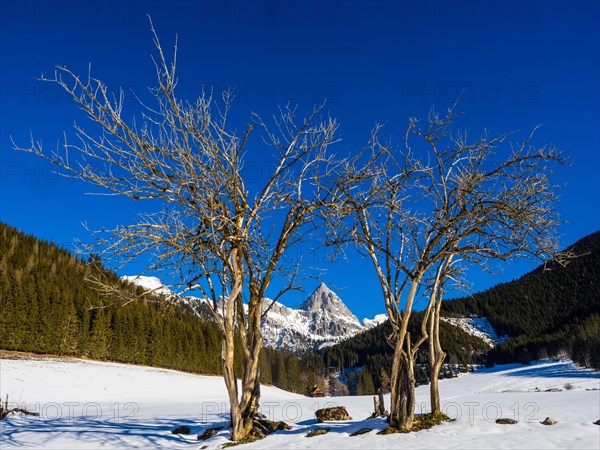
517,63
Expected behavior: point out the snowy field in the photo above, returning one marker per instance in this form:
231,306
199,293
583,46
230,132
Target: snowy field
85,404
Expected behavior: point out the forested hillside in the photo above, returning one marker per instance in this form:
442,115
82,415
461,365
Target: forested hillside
48,307
545,312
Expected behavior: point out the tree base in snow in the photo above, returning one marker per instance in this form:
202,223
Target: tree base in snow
423,422
261,428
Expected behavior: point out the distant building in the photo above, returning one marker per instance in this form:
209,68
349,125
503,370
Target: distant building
316,392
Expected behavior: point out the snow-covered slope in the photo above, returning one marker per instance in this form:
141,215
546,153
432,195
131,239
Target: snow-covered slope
322,320
86,404
152,284
477,326
377,320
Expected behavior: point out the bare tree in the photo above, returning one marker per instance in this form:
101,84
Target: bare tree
208,227
371,191
442,197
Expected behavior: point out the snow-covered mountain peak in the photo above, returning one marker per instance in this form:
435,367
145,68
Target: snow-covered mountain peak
317,298
327,315
324,300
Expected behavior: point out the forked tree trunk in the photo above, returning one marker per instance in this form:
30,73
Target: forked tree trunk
436,358
249,402
395,387
402,380
227,364
243,409
402,408
408,393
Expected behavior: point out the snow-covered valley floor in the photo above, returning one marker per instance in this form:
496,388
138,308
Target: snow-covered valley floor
86,404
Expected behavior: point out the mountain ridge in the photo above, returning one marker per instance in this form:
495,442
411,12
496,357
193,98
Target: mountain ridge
321,320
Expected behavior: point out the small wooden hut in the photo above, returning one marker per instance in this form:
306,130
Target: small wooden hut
316,392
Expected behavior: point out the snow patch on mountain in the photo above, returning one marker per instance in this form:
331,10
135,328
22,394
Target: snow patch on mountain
477,326
375,321
152,284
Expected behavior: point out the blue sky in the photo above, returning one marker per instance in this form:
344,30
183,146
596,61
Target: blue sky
517,63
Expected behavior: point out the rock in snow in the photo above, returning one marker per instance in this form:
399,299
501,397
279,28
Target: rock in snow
506,421
334,413
318,432
549,421
208,433
361,431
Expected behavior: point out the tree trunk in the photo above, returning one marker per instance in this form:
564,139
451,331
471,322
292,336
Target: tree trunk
434,391
408,391
227,364
250,382
381,403
395,387
254,340
402,408
436,357
244,408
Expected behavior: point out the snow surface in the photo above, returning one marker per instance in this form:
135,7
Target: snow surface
87,404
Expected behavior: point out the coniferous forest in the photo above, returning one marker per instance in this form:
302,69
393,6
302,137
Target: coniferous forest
546,313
